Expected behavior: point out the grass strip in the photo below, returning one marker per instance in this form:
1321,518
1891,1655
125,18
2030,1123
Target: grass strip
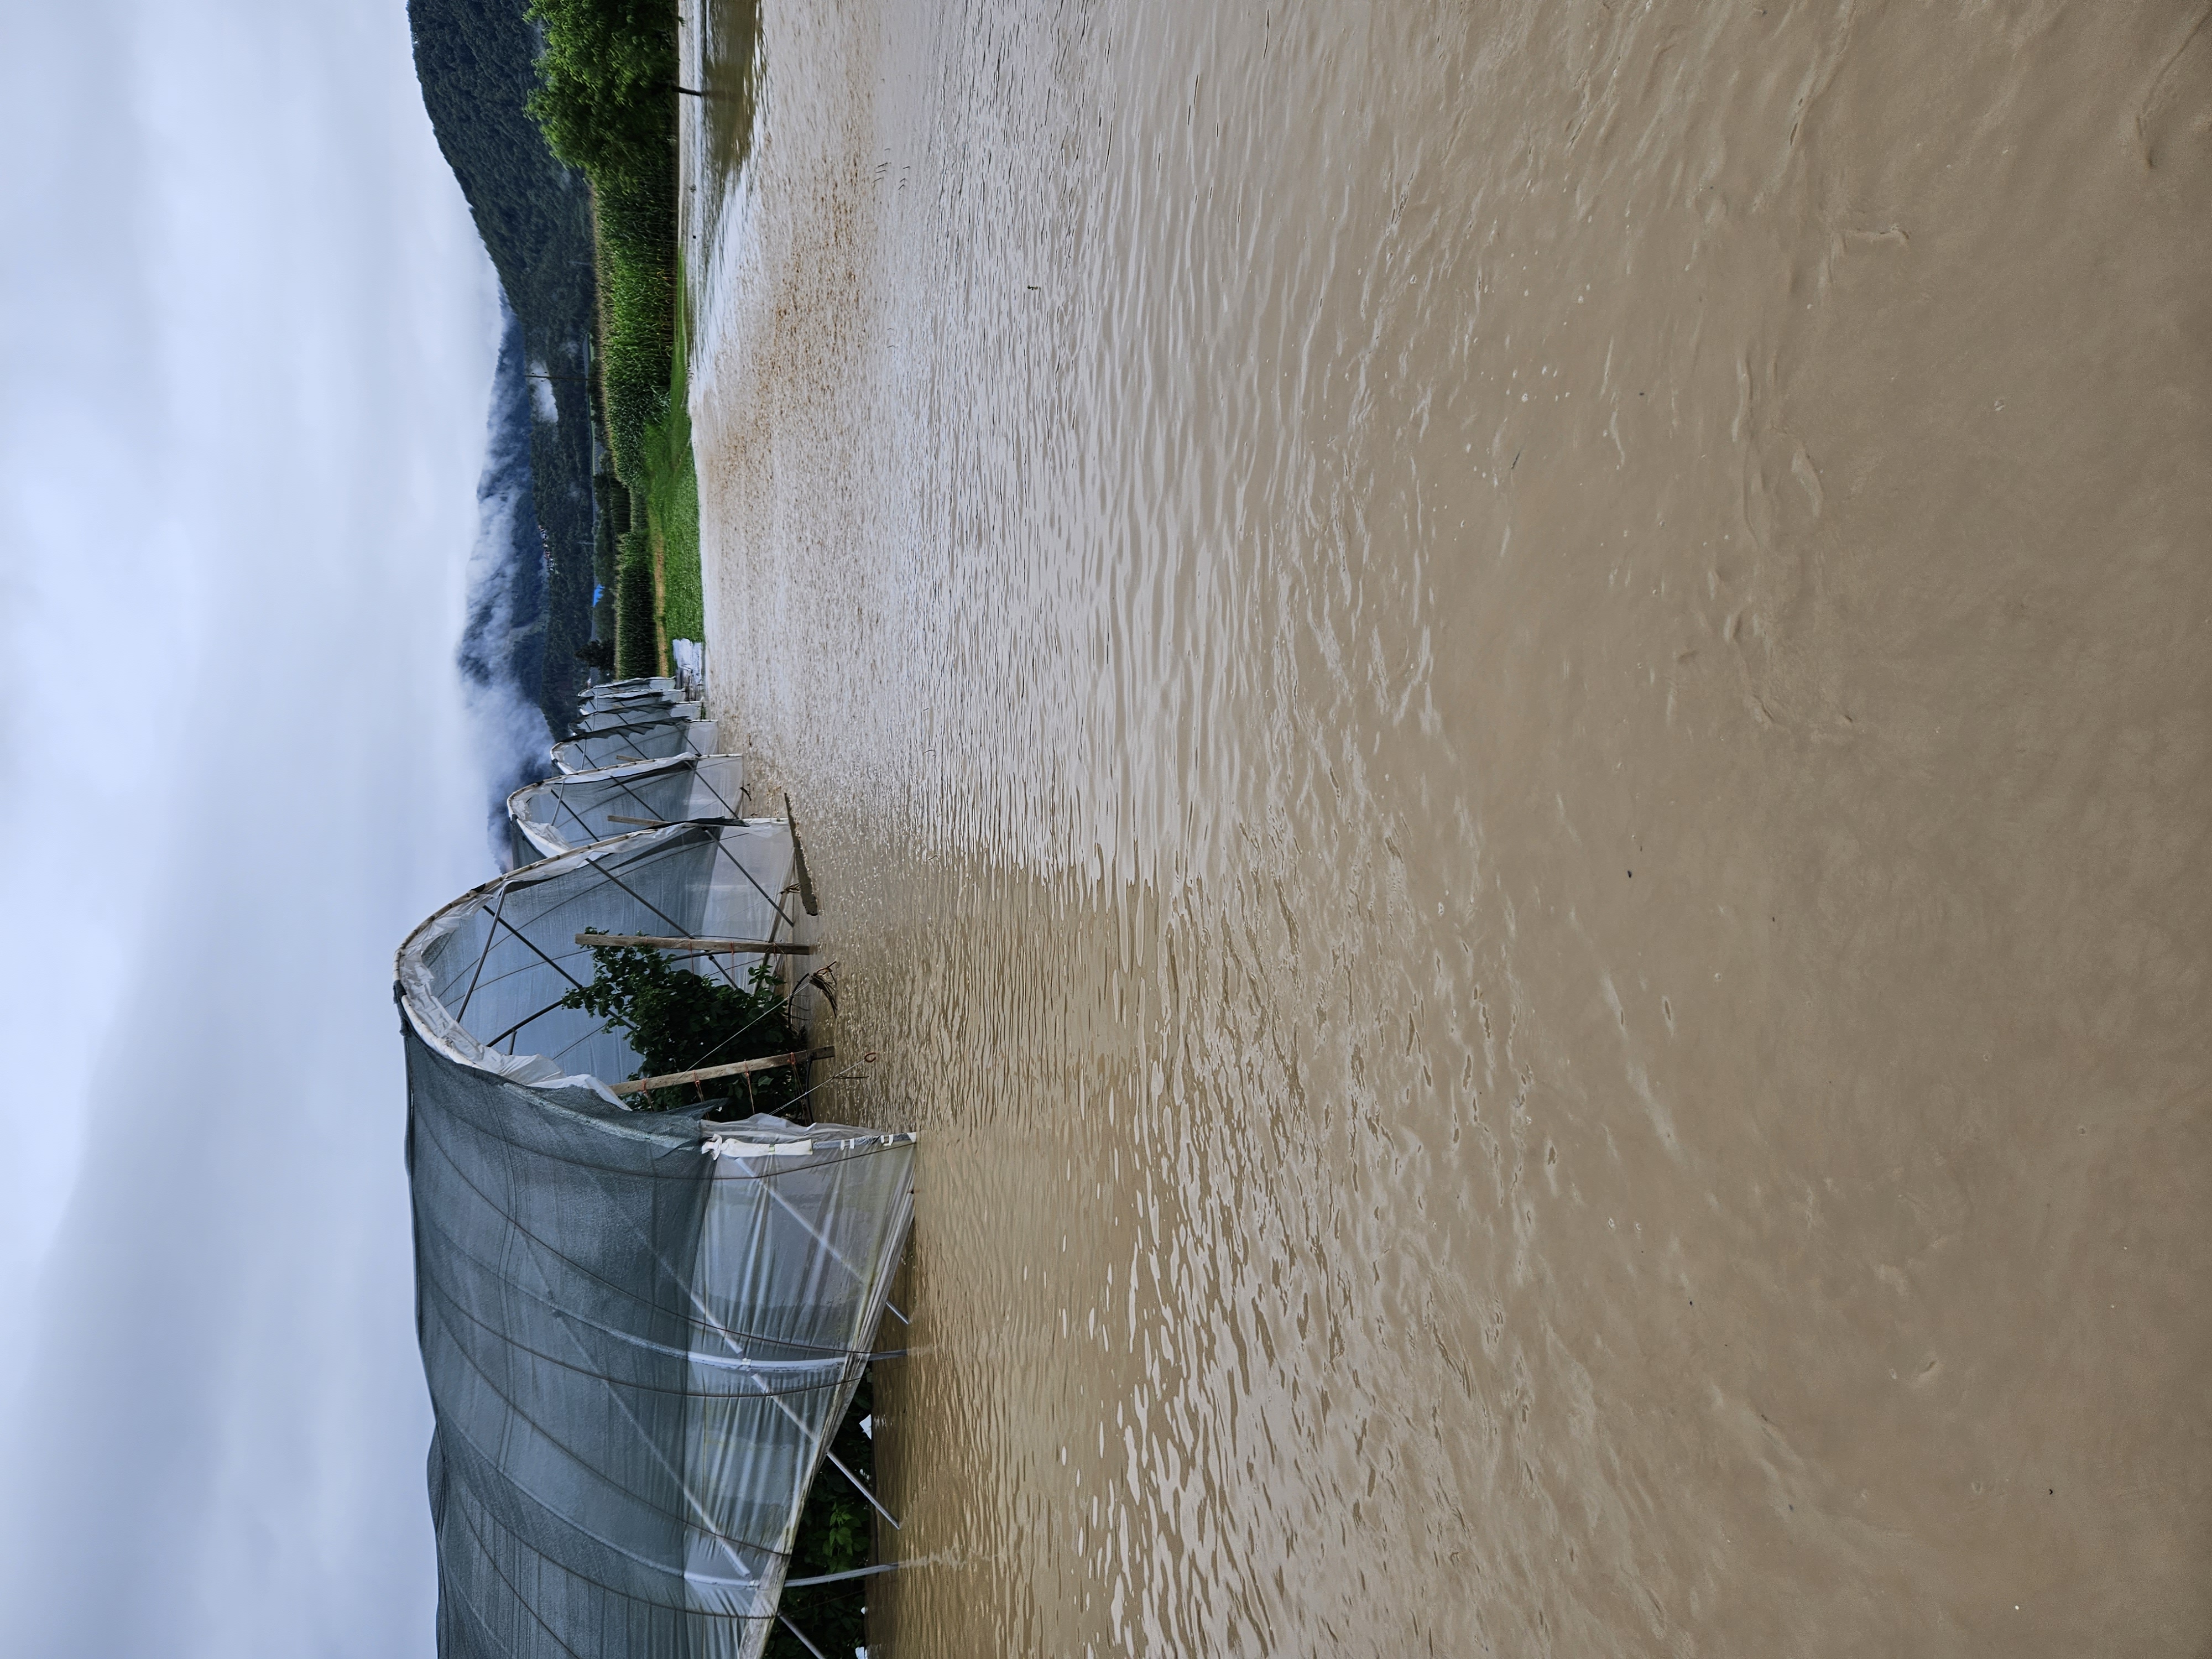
671,487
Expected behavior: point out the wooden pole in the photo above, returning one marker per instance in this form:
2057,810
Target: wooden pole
735,1068
704,947
798,860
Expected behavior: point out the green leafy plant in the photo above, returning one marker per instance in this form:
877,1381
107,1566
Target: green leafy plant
679,1020
837,1532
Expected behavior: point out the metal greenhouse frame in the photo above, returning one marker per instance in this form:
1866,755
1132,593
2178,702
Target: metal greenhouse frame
640,1329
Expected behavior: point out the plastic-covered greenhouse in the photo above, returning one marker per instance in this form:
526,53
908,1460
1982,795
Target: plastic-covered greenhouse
630,721
640,1329
557,814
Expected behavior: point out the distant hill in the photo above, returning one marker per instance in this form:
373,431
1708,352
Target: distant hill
475,59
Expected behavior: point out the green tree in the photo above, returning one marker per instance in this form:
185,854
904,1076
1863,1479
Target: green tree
679,1020
606,92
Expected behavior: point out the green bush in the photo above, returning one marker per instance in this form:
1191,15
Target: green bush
679,1020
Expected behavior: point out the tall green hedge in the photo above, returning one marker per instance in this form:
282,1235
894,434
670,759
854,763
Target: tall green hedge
637,641
637,307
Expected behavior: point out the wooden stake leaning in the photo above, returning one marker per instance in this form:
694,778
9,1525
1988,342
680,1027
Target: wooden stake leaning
705,947
735,1068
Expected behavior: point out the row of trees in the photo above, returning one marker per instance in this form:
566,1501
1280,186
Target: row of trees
605,101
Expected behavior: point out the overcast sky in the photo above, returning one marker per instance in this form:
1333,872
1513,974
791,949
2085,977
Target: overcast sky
246,336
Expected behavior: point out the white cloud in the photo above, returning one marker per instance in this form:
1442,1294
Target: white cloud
542,402
249,335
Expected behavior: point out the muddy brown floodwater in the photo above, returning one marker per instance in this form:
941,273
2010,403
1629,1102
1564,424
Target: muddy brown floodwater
1506,717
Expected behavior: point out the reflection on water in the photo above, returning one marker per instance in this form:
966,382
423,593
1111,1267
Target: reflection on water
719,66
1504,715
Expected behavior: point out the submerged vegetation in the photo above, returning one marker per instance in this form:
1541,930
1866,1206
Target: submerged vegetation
605,99
837,1533
679,1020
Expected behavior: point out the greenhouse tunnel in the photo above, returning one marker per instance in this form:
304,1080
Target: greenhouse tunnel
640,1329
627,721
557,814
654,733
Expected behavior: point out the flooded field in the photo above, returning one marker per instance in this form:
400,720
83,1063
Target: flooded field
1504,715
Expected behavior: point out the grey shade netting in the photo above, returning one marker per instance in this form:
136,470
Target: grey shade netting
639,1330
560,813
